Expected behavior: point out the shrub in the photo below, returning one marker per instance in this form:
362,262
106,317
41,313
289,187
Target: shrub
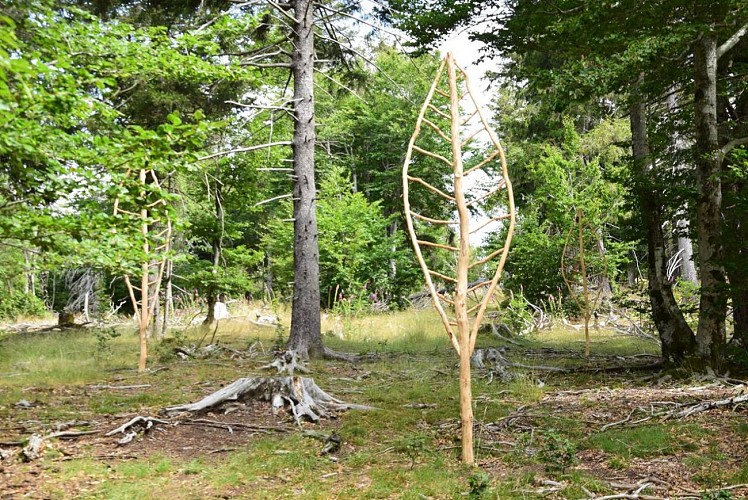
18,303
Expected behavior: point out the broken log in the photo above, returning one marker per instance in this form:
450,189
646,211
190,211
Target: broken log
33,449
130,428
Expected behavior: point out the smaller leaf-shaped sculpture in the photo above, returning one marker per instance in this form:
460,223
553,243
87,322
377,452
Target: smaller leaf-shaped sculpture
583,263
151,212
452,161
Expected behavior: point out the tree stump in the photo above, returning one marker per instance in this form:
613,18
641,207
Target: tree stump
302,395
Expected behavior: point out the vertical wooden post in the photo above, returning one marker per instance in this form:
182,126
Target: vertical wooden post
586,306
585,289
463,262
144,319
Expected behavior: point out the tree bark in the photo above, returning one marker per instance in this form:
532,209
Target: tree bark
676,336
685,249
168,298
306,336
682,238
710,334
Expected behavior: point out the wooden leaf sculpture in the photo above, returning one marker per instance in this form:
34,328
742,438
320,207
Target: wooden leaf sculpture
467,201
583,264
151,211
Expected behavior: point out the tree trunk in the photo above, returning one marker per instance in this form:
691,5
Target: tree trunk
268,278
632,271
710,334
736,256
168,298
739,294
306,337
676,336
683,240
29,287
685,249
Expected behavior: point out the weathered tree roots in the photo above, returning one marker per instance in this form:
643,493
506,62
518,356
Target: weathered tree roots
301,394
286,362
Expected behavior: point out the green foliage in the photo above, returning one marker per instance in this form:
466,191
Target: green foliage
355,249
104,337
516,314
18,303
478,483
79,118
557,179
233,277
717,495
556,451
646,441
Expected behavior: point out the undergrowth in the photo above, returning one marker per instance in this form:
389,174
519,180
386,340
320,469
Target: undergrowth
409,447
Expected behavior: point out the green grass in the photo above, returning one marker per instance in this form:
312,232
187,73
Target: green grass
647,440
396,451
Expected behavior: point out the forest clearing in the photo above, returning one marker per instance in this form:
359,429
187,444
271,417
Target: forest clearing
267,249
608,426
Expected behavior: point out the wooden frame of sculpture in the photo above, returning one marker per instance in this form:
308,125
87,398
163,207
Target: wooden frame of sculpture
155,252
579,253
463,327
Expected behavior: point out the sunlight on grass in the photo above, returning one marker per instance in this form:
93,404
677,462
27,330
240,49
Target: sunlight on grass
603,341
61,358
647,440
407,448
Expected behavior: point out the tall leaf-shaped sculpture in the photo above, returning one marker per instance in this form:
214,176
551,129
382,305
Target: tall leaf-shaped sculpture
583,262
151,211
470,201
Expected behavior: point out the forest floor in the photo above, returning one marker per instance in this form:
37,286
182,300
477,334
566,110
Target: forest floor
608,427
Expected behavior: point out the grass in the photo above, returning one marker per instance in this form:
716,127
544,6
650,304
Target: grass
400,450
647,440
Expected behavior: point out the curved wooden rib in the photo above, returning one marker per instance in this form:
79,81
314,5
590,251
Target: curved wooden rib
406,201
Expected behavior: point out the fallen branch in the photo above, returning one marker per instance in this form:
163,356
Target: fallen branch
707,405
146,423
331,441
231,425
680,411
70,434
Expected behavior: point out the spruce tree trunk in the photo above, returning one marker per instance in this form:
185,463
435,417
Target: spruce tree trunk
676,336
212,297
305,338
739,295
710,334
736,255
